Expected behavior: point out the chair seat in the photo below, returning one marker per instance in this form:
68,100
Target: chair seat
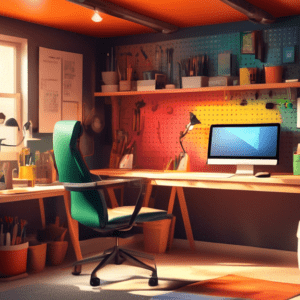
123,214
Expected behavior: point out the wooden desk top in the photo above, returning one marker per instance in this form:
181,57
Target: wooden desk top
284,183
28,193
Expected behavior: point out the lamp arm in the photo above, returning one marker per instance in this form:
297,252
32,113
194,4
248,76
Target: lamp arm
181,145
183,134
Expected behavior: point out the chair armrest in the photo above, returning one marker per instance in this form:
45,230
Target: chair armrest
138,206
94,185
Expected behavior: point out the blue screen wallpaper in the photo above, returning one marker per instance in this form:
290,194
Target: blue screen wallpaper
244,141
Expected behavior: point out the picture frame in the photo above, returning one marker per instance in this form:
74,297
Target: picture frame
248,41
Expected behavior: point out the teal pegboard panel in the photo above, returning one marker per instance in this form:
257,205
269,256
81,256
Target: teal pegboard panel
249,61
184,48
274,56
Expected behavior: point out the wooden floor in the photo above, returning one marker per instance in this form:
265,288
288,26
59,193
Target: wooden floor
210,260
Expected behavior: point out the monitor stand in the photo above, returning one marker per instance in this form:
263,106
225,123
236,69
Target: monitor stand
244,170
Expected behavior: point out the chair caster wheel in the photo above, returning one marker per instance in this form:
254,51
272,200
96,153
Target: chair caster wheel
153,281
77,270
76,273
95,281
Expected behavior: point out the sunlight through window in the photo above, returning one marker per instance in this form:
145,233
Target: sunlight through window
8,69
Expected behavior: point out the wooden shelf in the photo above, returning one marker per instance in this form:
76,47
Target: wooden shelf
248,87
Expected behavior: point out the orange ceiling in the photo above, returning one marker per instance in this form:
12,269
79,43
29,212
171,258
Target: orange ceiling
68,16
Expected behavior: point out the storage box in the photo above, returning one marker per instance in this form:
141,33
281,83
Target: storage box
221,80
296,164
224,64
194,82
146,85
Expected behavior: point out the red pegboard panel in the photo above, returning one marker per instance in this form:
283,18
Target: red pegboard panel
165,116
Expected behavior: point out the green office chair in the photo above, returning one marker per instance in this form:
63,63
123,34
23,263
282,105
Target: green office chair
88,204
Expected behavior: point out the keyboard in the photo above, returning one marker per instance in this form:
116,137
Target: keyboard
213,175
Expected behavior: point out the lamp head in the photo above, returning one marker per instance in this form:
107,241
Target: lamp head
12,122
193,119
27,125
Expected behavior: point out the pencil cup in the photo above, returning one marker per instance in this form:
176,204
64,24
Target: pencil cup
27,172
13,259
124,85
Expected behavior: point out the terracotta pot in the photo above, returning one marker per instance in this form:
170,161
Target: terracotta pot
13,259
110,77
273,74
156,235
36,258
56,252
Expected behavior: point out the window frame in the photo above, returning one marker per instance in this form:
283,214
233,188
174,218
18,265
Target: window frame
21,85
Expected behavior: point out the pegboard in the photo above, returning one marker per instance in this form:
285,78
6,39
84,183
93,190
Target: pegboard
165,116
153,56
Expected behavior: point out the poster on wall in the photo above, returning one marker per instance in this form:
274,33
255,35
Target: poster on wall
60,80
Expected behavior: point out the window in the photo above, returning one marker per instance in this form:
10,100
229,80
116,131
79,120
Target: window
13,89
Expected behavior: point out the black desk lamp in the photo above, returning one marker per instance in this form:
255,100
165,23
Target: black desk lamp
184,161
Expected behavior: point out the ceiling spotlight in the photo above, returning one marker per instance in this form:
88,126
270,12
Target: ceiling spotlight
96,17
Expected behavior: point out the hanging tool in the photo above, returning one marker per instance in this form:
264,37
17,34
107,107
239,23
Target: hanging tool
170,64
158,131
157,60
137,113
179,71
108,63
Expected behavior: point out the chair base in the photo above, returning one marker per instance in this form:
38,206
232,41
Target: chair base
117,255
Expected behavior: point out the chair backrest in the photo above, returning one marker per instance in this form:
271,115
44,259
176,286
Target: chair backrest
88,207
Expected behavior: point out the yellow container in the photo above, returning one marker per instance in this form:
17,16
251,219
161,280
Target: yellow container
27,172
244,76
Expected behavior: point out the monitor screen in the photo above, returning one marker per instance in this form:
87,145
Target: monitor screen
245,144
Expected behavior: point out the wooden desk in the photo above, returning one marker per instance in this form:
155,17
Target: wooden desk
178,180
39,193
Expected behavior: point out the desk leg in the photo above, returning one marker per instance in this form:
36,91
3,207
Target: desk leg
147,194
42,211
172,200
112,197
73,230
185,216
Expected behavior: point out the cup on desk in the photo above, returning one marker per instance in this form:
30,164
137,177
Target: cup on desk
296,164
27,172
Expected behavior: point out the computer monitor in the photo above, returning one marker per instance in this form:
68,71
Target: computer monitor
244,145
